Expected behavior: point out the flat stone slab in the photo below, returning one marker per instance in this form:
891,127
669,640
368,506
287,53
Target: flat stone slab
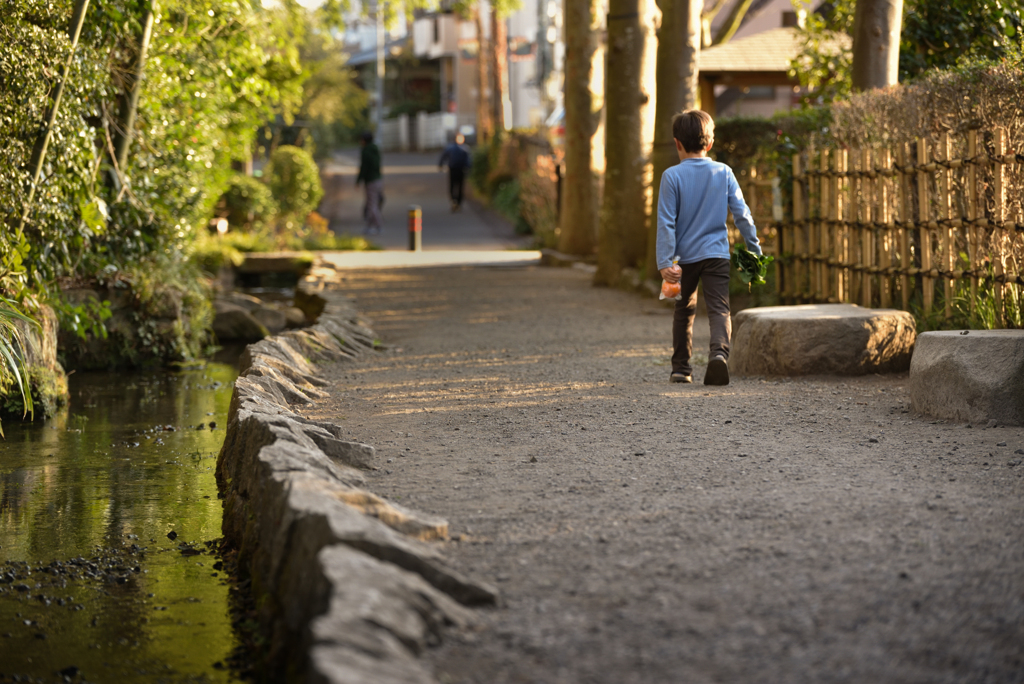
276,262
821,339
972,377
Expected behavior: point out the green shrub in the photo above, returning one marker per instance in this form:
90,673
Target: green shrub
538,201
506,202
249,202
211,252
294,180
481,169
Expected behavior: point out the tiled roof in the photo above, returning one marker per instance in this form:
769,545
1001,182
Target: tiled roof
766,51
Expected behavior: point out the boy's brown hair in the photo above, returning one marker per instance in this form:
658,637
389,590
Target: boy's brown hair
694,129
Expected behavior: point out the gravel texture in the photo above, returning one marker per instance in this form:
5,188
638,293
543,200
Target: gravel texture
774,530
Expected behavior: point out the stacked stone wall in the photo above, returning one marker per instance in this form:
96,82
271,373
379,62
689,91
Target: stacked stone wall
349,586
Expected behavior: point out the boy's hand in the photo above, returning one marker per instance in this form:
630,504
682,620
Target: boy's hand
672,274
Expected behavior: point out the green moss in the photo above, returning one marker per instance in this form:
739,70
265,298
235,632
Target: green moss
49,394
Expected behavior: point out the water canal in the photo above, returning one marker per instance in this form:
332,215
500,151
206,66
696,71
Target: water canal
108,520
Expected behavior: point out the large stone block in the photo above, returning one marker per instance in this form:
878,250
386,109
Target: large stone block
232,322
818,339
977,376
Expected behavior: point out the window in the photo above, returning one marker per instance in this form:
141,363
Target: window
759,93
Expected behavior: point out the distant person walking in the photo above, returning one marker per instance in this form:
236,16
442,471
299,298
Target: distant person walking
458,159
370,175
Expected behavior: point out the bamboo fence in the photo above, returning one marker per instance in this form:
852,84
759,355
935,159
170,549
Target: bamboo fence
934,227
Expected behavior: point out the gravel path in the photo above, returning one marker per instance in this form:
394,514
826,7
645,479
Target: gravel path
806,530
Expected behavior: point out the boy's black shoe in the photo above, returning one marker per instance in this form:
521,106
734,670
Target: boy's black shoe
718,372
680,377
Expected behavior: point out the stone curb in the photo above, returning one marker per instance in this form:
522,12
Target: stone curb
349,589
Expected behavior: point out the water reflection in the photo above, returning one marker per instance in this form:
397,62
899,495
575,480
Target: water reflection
98,489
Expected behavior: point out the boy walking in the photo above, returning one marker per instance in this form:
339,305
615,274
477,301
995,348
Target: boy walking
693,202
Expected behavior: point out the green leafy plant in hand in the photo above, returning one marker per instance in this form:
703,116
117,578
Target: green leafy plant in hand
752,268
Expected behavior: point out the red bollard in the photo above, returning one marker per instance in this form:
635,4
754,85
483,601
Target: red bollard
415,228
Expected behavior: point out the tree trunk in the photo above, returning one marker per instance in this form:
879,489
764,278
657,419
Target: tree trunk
876,43
129,99
679,40
578,219
621,235
502,101
484,122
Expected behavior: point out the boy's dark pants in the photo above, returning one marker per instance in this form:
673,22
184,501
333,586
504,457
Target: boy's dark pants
456,177
714,274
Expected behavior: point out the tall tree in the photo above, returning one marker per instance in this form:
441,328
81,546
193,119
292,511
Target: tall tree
578,219
500,11
484,110
621,233
876,43
679,41
502,99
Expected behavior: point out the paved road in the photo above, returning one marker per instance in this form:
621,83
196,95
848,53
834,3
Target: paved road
412,178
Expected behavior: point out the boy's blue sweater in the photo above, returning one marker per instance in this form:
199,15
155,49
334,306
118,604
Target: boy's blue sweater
692,208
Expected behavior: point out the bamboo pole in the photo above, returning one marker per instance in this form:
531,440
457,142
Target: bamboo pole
924,239
999,231
795,281
752,189
945,153
884,190
822,216
972,214
853,228
867,235
825,213
841,229
837,233
904,235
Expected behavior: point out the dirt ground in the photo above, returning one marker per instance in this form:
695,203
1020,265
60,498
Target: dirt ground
774,530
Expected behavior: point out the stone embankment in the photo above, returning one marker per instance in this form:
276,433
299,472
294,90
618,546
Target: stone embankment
349,587
45,374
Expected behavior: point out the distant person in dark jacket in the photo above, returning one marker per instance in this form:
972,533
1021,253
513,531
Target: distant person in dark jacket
370,175
458,159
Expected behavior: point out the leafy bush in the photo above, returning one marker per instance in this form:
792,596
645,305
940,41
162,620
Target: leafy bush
249,202
212,252
506,200
538,200
481,169
206,89
515,173
13,372
316,235
294,180
976,94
